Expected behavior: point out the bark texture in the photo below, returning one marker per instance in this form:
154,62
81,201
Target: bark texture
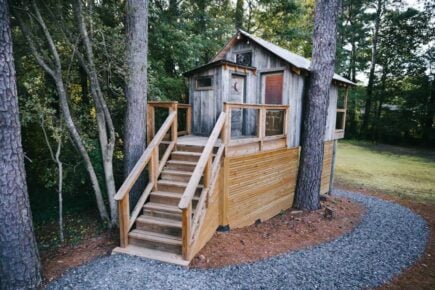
137,85
19,259
322,71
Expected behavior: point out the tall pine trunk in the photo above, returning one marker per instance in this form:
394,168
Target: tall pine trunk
137,85
322,71
369,96
19,259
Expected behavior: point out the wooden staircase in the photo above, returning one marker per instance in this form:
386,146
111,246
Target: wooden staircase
168,218
159,226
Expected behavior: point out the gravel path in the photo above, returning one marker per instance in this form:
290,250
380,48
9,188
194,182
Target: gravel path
388,240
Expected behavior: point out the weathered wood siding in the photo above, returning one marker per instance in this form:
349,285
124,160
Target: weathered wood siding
259,186
293,85
206,104
327,166
332,113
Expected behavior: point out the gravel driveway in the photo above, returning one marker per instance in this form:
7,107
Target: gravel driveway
388,240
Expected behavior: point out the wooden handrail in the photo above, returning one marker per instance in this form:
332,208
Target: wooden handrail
188,194
144,159
231,105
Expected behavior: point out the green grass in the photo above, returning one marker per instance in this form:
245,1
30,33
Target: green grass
405,172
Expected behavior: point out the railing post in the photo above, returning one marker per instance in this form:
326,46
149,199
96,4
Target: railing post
189,120
124,219
153,168
226,132
286,125
262,126
174,128
186,221
150,123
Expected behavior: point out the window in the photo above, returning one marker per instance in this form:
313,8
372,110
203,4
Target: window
204,83
244,58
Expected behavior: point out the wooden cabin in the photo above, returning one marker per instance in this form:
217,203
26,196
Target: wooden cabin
230,156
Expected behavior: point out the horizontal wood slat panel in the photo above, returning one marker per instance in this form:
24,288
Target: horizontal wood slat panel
260,185
326,168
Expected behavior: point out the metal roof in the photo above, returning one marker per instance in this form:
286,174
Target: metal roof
217,63
296,60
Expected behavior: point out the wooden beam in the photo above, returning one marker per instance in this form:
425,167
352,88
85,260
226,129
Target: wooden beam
186,219
124,220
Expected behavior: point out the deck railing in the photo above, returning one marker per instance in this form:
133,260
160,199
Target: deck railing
264,132
209,169
150,157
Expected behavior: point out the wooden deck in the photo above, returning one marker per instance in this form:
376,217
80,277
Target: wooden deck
192,140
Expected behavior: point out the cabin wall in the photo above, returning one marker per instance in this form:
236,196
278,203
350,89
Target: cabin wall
293,85
206,104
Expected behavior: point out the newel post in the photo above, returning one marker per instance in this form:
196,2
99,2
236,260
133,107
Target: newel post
186,221
150,123
262,126
124,219
174,128
189,120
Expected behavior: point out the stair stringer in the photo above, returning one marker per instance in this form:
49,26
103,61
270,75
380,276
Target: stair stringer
212,218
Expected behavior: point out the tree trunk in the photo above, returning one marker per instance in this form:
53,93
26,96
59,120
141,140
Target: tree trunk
322,71
238,17
19,259
368,104
56,74
137,85
104,119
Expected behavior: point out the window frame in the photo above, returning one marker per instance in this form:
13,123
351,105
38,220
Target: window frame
204,88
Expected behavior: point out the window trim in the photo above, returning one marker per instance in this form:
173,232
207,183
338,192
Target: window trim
242,51
200,88
263,76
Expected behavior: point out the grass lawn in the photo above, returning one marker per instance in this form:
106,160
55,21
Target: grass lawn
405,172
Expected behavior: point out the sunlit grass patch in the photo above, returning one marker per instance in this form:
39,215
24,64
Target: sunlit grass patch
405,172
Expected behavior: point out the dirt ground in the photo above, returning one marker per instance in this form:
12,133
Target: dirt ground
302,229
285,232
56,262
422,274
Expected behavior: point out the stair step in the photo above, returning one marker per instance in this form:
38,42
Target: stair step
180,165
189,148
157,241
176,175
162,210
175,186
159,225
152,254
169,198
185,156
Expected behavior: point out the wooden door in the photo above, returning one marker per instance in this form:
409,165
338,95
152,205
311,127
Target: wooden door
237,95
272,88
